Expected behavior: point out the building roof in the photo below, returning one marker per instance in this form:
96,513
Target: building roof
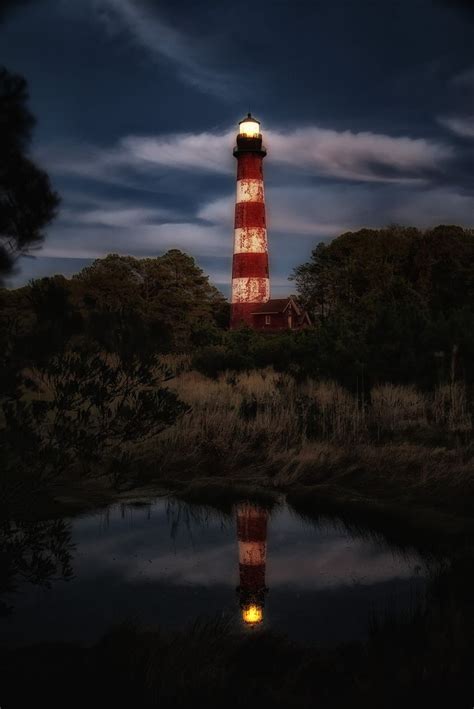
249,117
275,305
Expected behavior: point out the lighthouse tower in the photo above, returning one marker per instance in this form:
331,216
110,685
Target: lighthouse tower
252,537
250,277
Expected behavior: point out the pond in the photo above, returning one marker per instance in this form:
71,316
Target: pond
165,563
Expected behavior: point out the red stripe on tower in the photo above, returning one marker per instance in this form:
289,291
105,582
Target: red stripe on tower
252,536
250,275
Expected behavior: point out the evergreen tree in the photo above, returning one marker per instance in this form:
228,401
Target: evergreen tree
27,200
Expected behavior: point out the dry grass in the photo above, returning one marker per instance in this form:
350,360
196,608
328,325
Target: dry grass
396,407
450,407
270,402
265,426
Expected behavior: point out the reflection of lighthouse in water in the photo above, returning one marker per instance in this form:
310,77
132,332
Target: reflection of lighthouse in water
252,537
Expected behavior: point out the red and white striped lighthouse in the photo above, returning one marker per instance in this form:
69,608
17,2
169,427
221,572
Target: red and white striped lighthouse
252,537
250,277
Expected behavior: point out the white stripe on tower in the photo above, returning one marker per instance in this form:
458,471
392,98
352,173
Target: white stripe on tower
250,239
250,191
250,290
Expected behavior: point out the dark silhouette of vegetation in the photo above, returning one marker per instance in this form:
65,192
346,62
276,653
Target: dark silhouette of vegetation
168,294
84,413
85,384
394,304
32,552
82,379
421,659
27,201
119,302
391,305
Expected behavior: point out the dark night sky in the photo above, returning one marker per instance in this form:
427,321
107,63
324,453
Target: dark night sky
367,111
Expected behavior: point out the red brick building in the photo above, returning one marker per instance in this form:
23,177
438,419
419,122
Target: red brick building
280,314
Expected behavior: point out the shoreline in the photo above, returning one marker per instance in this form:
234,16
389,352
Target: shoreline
408,520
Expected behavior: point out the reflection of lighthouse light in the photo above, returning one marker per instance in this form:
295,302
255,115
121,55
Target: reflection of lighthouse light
252,614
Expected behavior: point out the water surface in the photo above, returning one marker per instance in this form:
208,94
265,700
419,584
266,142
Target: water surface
169,564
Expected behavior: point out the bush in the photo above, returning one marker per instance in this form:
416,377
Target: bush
212,361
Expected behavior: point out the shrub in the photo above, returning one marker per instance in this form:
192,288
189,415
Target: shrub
214,360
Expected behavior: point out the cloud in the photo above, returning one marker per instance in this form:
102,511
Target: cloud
344,155
91,227
301,210
357,156
297,218
134,157
460,125
118,216
189,56
86,161
428,208
465,6
204,152
139,240
324,211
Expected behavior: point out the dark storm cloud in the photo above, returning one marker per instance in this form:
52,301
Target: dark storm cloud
7,6
466,6
190,54
367,111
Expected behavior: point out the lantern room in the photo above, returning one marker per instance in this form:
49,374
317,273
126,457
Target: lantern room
249,127
249,138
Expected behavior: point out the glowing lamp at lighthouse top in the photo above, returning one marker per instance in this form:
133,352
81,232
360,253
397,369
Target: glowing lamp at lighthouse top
249,127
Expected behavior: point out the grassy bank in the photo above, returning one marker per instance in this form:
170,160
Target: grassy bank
265,432
267,429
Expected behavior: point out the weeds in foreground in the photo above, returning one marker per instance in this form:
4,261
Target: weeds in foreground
264,423
419,659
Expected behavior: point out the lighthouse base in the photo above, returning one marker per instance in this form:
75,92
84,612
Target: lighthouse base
273,315
241,315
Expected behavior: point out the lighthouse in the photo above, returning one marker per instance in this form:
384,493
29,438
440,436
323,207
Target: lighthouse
252,538
250,276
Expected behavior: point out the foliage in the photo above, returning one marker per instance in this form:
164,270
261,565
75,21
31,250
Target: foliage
214,360
415,659
71,405
33,552
169,298
87,410
392,302
27,201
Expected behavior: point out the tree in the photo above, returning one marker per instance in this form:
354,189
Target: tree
32,552
169,297
181,294
27,201
387,301
70,405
